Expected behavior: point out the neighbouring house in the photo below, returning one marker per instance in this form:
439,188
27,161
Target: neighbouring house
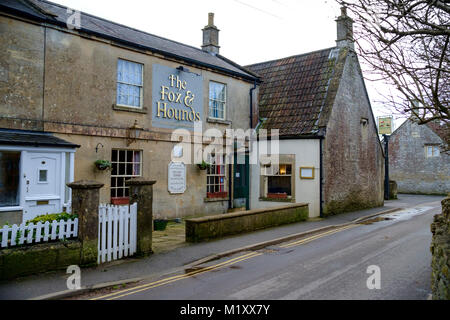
417,161
75,88
330,153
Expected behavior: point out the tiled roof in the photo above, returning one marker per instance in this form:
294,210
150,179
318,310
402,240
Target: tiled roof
294,93
34,139
53,13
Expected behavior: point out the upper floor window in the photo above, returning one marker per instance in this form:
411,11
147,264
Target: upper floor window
217,100
431,151
129,83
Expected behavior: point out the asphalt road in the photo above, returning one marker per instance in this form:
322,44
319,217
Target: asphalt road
328,266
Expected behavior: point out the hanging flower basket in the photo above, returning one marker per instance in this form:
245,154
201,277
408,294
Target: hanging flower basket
204,165
103,164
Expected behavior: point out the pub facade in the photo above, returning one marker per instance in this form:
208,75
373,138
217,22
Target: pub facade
109,103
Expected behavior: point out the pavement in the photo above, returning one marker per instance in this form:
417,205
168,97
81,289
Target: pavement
178,255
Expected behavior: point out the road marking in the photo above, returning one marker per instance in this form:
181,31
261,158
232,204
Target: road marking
178,277
127,292
306,240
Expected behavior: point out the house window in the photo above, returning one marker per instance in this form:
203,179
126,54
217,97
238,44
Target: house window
216,177
217,100
129,84
277,181
126,164
9,178
431,151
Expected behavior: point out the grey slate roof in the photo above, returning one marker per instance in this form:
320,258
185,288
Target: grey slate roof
31,138
57,14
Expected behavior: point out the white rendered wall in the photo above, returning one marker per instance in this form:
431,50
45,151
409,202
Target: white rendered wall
307,154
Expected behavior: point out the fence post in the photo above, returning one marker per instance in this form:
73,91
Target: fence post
141,191
85,202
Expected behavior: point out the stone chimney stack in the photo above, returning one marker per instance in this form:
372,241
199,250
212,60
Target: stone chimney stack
211,36
345,30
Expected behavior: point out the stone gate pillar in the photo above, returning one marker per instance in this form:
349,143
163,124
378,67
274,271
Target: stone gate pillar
141,191
85,202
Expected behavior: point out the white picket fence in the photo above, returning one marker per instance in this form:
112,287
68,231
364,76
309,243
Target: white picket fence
116,232
35,233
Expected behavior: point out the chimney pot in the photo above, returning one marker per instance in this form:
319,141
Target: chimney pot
210,19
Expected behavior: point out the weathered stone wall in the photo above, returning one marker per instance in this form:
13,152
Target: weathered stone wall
409,166
201,229
21,72
37,258
352,154
440,249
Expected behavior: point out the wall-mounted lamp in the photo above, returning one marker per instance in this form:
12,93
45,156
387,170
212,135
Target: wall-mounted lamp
134,133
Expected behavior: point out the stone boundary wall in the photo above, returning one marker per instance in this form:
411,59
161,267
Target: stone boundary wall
440,250
36,258
211,227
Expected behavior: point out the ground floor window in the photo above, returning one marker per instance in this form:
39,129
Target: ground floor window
216,177
9,178
277,181
126,164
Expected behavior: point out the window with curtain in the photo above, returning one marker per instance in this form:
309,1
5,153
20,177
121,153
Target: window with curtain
216,177
129,83
217,100
9,178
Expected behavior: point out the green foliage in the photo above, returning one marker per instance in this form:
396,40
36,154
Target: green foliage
204,165
103,164
51,217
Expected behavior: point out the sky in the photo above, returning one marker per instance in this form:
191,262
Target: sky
251,31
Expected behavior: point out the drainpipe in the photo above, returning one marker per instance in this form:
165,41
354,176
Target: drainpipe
321,177
251,104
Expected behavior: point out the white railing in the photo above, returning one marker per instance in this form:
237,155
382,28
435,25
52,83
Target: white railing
116,232
35,233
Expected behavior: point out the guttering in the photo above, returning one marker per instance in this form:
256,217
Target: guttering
321,178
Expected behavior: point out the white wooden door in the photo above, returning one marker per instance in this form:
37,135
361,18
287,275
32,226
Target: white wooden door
43,183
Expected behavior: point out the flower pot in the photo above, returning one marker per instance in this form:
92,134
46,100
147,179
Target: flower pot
159,224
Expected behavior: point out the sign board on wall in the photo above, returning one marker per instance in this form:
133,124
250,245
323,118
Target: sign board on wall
177,98
385,125
176,177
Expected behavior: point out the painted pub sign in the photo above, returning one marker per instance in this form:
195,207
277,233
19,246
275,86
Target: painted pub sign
177,98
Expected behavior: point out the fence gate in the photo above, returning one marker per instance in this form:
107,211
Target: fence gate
116,232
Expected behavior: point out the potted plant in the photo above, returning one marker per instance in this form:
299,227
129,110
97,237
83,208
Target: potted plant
103,164
160,224
204,165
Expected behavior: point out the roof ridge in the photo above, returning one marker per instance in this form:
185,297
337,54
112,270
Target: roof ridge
122,25
293,56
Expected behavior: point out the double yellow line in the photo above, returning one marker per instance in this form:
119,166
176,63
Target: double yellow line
162,282
147,286
306,240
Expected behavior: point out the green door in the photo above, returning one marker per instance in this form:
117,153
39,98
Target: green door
241,181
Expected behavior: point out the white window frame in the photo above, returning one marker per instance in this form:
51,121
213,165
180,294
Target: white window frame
267,171
117,175
212,162
141,98
435,152
224,102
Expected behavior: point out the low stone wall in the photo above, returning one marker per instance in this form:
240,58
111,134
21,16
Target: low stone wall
205,228
36,258
440,249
